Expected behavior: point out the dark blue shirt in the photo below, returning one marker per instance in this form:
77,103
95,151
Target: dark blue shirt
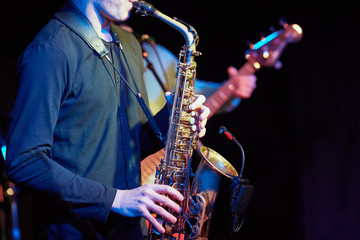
75,133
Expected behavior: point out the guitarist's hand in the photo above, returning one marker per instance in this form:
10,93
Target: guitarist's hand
147,199
245,83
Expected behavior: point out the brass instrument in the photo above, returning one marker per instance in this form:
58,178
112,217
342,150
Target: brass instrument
182,138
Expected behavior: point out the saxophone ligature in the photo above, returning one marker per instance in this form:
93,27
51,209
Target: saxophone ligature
182,137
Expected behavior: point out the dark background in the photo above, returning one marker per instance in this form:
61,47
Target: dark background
300,129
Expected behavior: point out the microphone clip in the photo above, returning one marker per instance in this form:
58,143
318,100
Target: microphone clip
223,130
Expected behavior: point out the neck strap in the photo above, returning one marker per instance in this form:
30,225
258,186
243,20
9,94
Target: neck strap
71,16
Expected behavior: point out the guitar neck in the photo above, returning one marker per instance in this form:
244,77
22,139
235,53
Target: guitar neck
226,91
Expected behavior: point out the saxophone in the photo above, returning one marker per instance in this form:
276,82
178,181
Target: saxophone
182,137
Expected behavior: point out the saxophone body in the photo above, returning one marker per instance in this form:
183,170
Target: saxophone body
182,138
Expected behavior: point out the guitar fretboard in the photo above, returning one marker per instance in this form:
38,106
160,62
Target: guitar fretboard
226,91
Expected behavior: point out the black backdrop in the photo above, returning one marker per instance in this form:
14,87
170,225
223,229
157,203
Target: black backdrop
300,129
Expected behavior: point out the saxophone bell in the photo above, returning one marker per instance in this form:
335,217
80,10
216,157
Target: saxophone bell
213,171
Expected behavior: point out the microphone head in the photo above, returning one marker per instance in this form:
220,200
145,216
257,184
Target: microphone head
222,130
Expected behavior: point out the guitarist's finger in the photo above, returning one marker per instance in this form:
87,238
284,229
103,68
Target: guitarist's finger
252,81
169,97
232,71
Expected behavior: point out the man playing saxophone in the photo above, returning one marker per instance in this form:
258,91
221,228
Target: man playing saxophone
77,128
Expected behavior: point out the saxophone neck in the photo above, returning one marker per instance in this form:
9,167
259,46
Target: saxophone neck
186,30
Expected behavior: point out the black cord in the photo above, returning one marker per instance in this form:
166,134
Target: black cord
224,131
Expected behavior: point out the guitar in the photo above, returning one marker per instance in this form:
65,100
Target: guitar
266,53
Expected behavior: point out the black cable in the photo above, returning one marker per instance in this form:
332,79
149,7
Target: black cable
224,131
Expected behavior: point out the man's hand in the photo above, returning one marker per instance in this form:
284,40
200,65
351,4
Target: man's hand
203,113
197,105
142,201
245,83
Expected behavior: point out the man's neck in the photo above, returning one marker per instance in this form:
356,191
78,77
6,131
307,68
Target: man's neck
101,24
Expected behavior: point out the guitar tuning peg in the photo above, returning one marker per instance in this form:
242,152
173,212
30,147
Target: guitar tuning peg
262,36
278,65
282,22
250,44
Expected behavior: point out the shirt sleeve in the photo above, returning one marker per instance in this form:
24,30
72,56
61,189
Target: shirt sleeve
42,75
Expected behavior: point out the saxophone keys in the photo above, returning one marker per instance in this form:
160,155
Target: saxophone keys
193,128
178,176
169,228
189,75
179,186
196,203
196,53
192,120
193,65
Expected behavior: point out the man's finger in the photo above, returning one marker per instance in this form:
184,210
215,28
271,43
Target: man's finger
159,188
169,97
200,99
162,212
202,132
232,71
158,226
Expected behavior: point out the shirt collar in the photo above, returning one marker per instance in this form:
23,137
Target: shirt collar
74,19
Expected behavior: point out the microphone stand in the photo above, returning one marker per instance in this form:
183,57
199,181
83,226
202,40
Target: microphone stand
150,66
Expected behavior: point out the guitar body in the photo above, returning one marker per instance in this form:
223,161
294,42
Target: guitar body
148,166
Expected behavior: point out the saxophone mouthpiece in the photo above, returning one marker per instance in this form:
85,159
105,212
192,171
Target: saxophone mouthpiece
144,7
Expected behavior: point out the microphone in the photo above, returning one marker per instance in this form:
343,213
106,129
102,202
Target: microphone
223,130
147,38
241,189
